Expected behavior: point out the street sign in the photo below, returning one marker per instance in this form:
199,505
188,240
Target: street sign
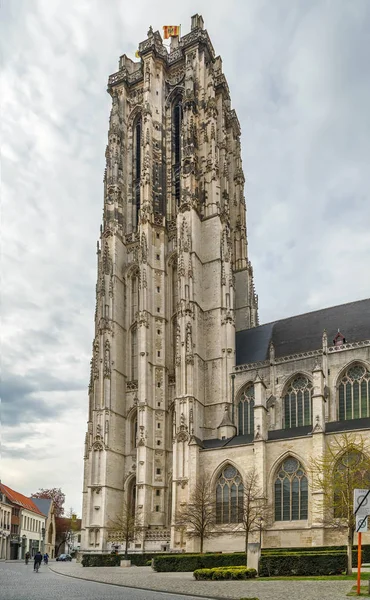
361,503
361,524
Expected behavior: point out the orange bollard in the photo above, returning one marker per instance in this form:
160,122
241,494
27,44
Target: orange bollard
359,564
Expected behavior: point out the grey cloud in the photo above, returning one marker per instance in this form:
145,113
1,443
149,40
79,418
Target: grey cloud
22,398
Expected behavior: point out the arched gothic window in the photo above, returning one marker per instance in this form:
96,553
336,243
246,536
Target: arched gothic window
131,496
134,296
134,357
291,492
175,289
133,430
246,411
354,393
229,496
298,403
176,148
137,165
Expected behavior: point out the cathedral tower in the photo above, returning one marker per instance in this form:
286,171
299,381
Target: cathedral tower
174,285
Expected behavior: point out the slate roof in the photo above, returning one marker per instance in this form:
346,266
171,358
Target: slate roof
304,332
19,499
43,504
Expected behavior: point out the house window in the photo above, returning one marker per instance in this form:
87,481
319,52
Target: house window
354,393
291,492
297,403
246,411
229,496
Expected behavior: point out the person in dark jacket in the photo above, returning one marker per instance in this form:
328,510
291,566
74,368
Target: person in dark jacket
37,559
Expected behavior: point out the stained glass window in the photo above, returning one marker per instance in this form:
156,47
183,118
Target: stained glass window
354,393
291,492
246,411
297,403
229,496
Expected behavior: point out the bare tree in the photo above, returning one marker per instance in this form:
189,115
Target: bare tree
344,466
124,527
199,516
54,494
66,527
254,510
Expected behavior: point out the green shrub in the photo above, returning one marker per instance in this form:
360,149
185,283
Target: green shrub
192,562
113,560
302,563
220,573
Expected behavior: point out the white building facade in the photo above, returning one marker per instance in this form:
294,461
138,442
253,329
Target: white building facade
5,527
184,381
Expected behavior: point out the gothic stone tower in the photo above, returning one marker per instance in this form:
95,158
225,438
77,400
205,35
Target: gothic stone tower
174,284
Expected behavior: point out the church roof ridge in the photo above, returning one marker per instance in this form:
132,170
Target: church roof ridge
311,312
303,333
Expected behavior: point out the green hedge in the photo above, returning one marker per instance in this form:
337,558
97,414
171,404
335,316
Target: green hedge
316,549
192,562
302,563
113,560
225,573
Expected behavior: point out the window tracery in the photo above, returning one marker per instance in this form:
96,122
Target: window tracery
176,148
354,393
291,492
137,129
229,496
298,403
246,411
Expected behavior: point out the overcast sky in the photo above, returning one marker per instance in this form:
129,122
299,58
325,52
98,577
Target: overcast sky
298,72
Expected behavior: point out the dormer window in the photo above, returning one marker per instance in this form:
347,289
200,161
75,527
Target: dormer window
339,339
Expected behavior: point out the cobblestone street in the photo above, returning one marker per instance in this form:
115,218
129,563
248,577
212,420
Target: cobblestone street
19,582
183,583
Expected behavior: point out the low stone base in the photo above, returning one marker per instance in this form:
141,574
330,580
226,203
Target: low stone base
125,563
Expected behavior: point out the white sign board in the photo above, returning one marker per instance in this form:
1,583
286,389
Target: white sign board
361,503
361,524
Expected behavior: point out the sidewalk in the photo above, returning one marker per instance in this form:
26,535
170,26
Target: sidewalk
184,583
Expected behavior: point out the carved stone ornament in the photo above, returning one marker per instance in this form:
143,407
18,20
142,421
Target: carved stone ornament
182,436
317,428
257,435
176,76
107,369
97,446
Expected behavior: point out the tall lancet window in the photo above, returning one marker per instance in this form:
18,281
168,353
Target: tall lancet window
134,370
134,296
354,393
137,167
175,297
176,149
175,289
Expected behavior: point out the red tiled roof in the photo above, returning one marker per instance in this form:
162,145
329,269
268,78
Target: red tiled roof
19,499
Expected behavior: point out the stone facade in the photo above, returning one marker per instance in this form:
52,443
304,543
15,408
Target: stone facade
174,288
5,525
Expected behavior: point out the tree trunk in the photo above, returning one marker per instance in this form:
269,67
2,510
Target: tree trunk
201,543
246,547
126,548
349,551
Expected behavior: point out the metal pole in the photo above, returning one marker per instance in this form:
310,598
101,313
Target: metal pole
359,564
